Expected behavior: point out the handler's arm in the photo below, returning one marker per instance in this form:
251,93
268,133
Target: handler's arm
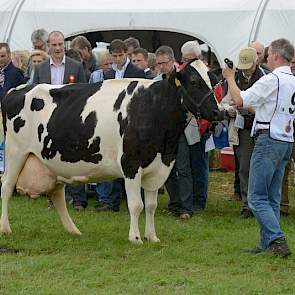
229,75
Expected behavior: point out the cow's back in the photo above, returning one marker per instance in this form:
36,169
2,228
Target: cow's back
73,126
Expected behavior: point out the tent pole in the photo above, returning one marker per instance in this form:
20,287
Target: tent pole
12,20
257,20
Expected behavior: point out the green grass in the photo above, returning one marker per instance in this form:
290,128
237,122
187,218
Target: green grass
200,256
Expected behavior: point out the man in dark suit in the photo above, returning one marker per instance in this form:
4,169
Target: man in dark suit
109,192
10,76
57,70
140,59
122,66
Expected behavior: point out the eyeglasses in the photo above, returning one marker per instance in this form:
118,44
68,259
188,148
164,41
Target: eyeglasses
160,63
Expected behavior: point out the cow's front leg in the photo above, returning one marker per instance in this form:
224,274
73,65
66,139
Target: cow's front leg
16,161
59,202
150,199
135,206
6,192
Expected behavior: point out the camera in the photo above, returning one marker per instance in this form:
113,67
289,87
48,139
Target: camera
229,63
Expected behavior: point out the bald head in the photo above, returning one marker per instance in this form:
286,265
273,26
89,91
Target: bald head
259,47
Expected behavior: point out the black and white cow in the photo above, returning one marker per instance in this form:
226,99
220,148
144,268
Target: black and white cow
125,128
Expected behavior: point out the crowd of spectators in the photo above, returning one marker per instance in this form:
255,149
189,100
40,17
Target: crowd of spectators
187,185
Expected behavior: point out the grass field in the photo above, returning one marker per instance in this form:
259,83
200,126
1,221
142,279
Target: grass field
199,256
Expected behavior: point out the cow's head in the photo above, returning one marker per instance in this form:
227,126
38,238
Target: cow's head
198,98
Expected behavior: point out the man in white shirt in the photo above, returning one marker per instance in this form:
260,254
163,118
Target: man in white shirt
273,99
57,70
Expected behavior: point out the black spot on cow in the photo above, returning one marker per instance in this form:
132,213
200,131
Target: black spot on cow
155,122
40,131
37,104
119,100
18,123
13,103
68,134
156,118
123,123
131,87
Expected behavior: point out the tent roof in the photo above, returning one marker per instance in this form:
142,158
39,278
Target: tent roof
226,25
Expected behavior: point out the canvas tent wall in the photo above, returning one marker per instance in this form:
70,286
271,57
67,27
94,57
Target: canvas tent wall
225,25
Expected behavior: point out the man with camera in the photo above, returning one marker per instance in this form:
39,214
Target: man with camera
242,119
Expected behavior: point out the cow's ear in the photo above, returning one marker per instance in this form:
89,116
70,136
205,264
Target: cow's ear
179,78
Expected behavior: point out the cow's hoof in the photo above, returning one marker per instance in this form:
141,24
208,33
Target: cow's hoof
77,232
74,231
136,240
5,229
153,239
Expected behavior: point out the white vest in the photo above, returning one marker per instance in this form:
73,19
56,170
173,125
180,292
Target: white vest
281,123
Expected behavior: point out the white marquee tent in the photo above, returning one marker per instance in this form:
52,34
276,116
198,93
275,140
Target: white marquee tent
225,25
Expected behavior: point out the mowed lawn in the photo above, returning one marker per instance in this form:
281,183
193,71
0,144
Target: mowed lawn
203,255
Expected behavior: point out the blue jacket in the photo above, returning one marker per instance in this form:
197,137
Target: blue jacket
13,77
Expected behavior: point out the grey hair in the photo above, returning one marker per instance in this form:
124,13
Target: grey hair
101,55
165,50
284,48
40,34
191,47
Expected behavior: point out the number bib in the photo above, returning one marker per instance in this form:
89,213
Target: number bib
281,124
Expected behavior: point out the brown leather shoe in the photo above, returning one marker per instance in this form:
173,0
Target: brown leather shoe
246,213
279,247
185,216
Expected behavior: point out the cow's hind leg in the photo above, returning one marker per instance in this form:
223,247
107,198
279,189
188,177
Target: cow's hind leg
135,206
14,164
150,198
58,199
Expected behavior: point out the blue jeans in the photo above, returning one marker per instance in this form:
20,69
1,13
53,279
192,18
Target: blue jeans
109,193
200,173
179,182
78,194
267,167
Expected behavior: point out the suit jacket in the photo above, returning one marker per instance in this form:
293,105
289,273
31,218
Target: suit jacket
131,71
13,77
42,73
149,74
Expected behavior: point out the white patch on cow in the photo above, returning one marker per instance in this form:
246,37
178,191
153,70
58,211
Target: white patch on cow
154,175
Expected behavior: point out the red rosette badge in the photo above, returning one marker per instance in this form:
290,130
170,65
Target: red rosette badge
72,79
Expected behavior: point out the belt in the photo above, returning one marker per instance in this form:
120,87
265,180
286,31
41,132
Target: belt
261,131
